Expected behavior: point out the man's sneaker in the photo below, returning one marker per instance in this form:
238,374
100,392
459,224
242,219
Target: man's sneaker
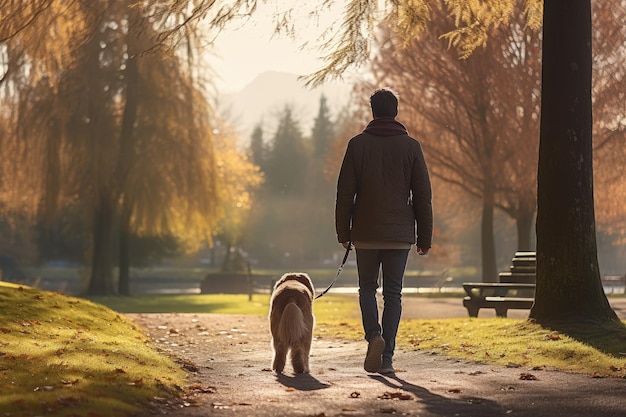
374,357
386,367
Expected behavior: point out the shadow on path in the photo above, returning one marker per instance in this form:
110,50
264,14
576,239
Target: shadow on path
301,382
439,405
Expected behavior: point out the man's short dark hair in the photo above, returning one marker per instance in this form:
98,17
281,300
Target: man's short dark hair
384,103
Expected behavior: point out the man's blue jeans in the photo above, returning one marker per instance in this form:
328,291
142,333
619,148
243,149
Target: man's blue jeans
393,262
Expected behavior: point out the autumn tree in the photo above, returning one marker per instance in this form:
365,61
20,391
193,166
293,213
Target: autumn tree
568,278
240,179
609,118
100,124
476,118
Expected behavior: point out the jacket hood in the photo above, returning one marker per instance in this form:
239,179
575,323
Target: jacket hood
386,126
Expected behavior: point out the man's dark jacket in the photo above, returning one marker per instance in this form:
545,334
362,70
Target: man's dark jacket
383,190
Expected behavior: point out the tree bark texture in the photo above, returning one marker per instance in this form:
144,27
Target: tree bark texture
568,277
101,282
126,158
524,224
488,246
123,284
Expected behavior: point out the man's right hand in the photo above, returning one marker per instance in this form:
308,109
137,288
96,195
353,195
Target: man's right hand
422,251
347,244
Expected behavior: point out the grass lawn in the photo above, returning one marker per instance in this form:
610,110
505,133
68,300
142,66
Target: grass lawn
64,356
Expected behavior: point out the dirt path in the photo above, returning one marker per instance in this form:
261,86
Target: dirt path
229,356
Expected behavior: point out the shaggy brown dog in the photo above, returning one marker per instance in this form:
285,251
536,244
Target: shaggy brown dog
291,321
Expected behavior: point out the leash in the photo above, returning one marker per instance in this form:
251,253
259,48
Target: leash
345,258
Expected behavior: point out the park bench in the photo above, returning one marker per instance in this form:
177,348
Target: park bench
612,282
515,289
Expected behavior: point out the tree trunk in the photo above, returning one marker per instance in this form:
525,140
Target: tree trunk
524,223
101,282
126,158
123,284
227,257
488,246
569,288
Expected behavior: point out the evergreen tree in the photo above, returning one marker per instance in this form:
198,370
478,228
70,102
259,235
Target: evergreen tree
322,131
322,195
287,162
258,149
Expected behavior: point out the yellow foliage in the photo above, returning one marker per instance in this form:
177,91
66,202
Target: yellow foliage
238,178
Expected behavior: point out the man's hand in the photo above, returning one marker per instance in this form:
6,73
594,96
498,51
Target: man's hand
422,251
346,244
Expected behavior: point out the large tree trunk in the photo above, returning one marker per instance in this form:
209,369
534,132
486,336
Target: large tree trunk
101,282
568,277
488,246
126,158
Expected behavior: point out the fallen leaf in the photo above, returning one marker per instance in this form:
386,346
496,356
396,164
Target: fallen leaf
553,336
395,396
455,390
527,377
203,390
74,382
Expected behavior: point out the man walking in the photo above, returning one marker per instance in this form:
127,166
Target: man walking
383,207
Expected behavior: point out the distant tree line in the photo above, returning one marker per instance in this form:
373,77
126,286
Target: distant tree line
293,221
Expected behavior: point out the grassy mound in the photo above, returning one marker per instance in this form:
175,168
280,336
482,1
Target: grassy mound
65,356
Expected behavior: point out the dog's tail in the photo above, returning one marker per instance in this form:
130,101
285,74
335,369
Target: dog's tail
292,327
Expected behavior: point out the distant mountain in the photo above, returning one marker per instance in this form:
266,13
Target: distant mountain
264,99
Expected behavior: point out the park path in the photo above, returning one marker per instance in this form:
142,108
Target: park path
229,359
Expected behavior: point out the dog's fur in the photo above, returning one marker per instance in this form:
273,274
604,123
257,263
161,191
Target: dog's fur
291,321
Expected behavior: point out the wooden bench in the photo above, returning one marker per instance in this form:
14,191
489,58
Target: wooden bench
500,296
613,282
515,289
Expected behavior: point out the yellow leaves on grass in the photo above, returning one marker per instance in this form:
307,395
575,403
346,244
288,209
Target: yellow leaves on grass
57,350
512,343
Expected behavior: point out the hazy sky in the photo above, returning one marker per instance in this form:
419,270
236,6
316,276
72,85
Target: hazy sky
249,48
